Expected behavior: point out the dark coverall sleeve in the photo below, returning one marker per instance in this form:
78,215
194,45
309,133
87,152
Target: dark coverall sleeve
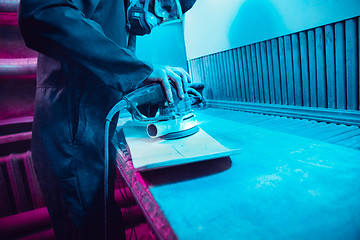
63,30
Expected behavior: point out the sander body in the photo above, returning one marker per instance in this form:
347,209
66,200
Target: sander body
149,107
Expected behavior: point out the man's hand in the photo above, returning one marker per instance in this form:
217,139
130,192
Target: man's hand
165,74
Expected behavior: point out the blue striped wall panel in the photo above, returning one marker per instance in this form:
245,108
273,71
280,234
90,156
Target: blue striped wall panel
315,68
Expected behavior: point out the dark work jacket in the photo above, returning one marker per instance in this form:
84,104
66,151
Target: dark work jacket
83,69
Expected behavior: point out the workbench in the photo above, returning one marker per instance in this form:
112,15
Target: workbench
281,186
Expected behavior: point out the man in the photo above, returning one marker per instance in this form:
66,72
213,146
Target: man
83,70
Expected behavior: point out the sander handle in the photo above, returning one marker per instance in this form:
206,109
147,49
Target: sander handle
149,94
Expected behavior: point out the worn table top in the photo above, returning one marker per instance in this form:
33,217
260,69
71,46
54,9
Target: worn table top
281,186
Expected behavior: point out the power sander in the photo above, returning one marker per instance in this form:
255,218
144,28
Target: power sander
149,107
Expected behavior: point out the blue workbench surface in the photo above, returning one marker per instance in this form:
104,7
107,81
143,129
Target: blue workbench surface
281,186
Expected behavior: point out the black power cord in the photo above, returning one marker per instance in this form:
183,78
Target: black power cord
121,105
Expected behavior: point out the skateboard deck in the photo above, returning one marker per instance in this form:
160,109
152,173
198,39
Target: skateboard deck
152,153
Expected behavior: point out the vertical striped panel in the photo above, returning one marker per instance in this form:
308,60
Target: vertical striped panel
193,73
330,65
241,73
352,65
289,70
271,72
320,67
304,68
212,93
297,69
205,67
340,69
235,89
265,72
217,89
255,74
226,81
250,72
215,78
246,74
222,81
206,77
259,71
229,69
236,74
200,69
209,78
196,70
284,88
276,70
314,68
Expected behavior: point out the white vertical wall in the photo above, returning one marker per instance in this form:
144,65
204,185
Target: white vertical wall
165,45
217,25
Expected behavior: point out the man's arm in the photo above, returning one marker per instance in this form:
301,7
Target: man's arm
61,30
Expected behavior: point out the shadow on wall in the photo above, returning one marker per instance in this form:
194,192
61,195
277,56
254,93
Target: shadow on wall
256,20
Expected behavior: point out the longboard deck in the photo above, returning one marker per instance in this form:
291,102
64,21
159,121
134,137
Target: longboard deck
153,153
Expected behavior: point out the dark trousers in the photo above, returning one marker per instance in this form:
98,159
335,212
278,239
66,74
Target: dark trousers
68,158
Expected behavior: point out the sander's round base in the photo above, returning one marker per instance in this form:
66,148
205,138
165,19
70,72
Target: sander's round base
182,134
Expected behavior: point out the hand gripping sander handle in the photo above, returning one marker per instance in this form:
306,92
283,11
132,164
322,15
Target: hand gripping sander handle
149,94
